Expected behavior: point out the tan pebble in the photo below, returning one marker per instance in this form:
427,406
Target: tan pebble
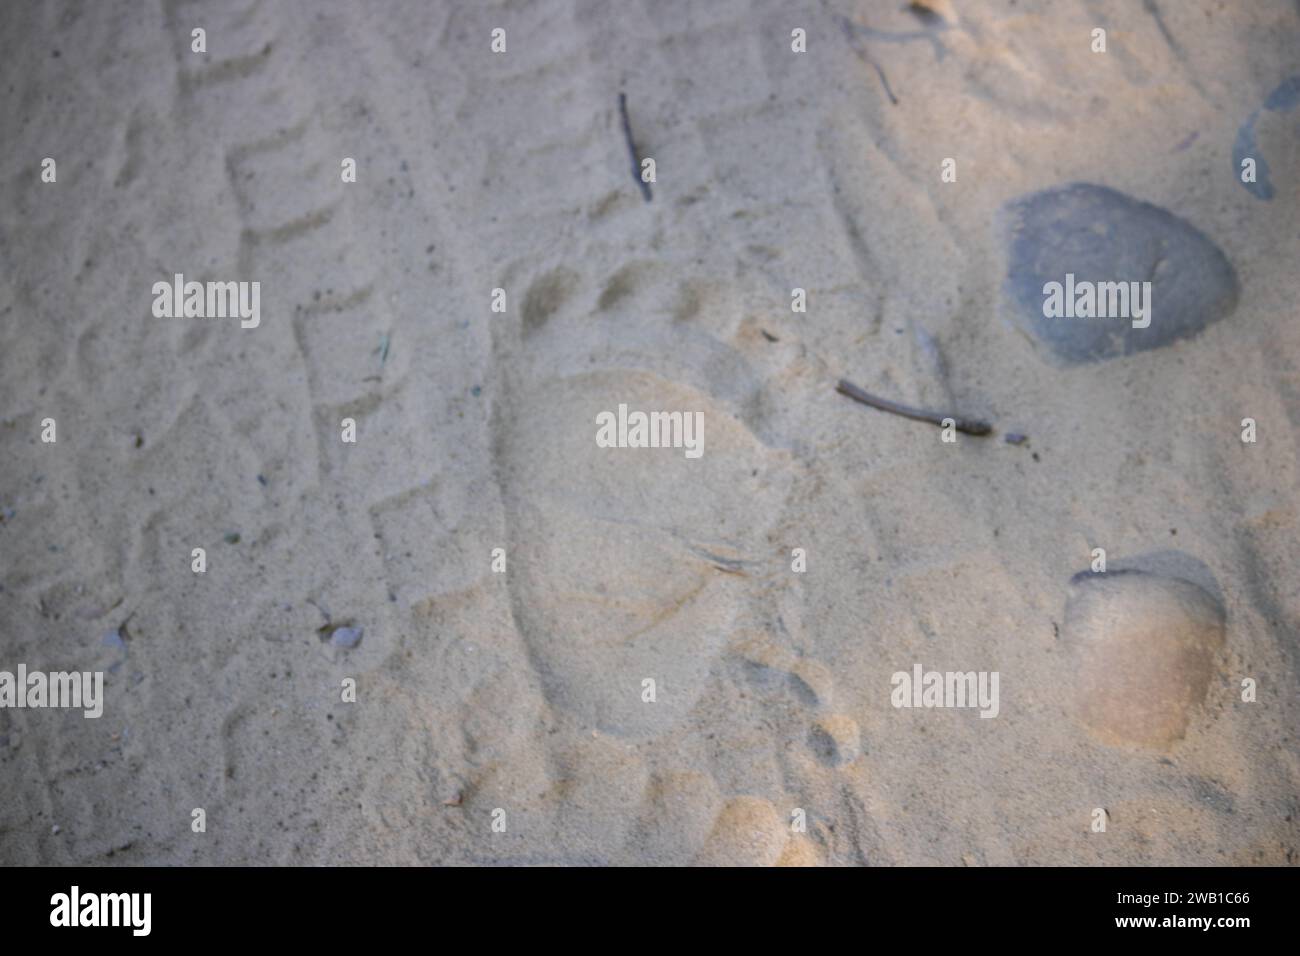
1144,648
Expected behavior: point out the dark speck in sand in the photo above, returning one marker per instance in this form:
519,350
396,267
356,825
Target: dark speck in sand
114,639
261,480
923,13
231,537
476,391
1015,438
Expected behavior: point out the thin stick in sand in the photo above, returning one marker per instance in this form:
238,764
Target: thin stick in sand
631,148
969,426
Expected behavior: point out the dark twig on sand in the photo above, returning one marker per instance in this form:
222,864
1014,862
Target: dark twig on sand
848,26
631,148
967,425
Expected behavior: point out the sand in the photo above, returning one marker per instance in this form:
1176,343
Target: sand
504,716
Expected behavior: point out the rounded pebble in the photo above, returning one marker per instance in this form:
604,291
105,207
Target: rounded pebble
1100,235
1145,648
347,637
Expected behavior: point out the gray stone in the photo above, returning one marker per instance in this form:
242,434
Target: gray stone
1101,235
1282,100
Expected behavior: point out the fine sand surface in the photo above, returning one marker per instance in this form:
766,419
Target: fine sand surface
522,692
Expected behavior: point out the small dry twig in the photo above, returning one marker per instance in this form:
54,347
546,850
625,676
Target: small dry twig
969,426
631,148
